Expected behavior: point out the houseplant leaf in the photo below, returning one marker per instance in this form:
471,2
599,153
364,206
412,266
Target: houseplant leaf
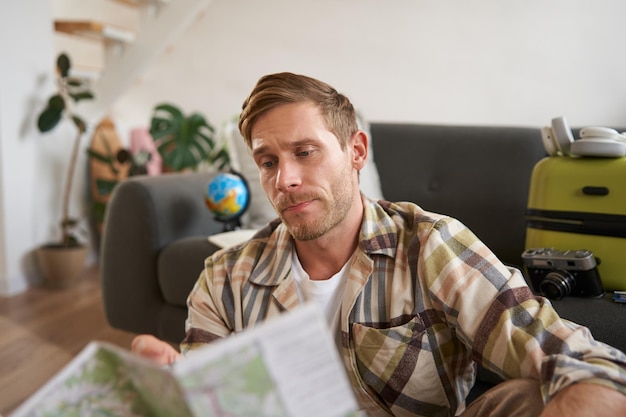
98,210
105,187
221,158
64,65
79,123
48,119
74,82
107,159
83,95
183,142
56,102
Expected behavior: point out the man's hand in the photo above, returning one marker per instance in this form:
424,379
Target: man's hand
156,350
588,400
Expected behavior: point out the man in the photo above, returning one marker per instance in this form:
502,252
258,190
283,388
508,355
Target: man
414,298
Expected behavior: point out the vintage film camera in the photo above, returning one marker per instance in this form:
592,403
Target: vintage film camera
556,274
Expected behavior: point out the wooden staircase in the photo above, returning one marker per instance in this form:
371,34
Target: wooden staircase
112,42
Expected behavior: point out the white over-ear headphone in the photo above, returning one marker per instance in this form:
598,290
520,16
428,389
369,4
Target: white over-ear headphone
594,141
599,141
557,138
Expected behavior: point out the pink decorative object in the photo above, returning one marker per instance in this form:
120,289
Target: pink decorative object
140,139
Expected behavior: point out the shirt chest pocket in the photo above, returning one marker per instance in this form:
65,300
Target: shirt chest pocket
398,364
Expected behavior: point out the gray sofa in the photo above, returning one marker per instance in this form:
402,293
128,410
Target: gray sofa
156,228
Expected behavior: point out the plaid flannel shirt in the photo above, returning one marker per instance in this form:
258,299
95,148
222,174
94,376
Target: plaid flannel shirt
425,302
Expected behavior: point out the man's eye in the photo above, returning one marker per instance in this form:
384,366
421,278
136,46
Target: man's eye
267,164
304,153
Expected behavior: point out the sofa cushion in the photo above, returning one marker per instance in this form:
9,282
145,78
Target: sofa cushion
179,265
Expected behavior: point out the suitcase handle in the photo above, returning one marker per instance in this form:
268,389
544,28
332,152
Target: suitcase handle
577,222
593,190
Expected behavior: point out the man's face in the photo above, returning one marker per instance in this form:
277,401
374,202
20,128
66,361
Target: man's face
309,179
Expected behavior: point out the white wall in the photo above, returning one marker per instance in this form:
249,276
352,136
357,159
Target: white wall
455,61
27,181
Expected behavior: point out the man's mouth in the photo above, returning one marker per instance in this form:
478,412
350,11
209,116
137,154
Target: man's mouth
295,204
298,206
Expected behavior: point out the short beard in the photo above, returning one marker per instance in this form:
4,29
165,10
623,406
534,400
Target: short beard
333,213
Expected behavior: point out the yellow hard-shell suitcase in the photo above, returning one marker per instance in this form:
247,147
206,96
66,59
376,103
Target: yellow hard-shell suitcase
580,203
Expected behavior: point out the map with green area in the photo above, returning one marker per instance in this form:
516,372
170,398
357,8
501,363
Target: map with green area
238,384
102,384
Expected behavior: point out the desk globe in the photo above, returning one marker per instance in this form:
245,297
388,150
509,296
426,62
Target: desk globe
228,197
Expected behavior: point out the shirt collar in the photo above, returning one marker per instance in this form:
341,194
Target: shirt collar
379,233
379,236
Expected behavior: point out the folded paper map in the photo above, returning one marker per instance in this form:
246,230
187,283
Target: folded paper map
286,367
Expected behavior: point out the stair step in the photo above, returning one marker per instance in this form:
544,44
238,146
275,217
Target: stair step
91,28
139,3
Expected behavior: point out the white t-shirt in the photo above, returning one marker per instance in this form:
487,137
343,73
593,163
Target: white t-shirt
326,294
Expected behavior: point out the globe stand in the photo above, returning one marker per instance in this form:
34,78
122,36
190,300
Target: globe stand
230,225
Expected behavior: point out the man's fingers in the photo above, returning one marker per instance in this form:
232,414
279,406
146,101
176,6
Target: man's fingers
149,347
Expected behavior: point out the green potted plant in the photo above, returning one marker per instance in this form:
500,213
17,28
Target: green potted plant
184,142
62,262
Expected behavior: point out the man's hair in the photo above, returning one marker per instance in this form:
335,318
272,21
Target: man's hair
284,88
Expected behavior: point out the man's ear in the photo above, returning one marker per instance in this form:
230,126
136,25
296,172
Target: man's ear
358,143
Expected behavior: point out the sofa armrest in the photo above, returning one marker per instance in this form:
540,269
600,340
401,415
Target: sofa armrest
144,215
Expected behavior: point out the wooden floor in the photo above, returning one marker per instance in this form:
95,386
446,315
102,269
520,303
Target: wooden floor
42,329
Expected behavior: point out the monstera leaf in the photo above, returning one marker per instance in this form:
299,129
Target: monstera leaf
185,141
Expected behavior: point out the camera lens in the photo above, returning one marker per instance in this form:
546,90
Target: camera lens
557,284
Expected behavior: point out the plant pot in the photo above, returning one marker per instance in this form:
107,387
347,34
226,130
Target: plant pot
61,265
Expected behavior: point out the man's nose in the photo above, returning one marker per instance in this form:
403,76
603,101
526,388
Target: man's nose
288,177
